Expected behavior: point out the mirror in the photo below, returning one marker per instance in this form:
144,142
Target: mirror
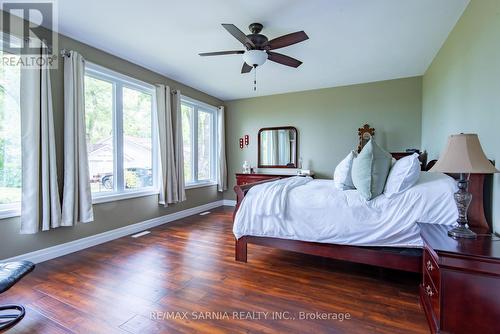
365,134
278,147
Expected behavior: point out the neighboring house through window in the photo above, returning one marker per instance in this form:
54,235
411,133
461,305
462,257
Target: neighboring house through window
121,134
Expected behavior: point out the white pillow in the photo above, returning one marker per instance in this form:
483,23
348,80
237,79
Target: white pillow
403,175
342,175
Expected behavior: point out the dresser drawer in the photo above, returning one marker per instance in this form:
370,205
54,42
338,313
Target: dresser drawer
432,294
431,267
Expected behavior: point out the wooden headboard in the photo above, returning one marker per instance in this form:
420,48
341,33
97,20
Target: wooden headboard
422,157
480,186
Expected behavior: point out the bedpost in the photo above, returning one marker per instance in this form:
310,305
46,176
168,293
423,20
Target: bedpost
241,249
240,245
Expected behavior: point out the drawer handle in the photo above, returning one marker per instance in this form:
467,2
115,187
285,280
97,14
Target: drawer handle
430,267
428,291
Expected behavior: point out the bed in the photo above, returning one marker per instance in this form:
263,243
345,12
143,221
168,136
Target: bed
321,220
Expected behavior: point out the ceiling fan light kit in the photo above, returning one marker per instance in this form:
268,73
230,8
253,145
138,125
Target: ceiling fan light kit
258,47
255,57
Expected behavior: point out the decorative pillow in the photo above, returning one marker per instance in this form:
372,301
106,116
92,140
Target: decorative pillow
342,175
370,170
403,175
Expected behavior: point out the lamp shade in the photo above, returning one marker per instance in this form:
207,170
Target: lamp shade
464,154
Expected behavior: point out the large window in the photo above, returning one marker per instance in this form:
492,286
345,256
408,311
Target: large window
120,134
199,135
10,140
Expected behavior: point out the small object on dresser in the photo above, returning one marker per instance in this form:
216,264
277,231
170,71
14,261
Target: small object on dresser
246,167
304,172
463,155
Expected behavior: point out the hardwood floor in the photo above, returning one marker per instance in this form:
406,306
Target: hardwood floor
133,285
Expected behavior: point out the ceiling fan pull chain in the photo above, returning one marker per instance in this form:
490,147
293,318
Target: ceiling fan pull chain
255,78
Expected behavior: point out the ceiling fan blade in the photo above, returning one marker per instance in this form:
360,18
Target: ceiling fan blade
221,53
246,68
286,40
238,34
284,60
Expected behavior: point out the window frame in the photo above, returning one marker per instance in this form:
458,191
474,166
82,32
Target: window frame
204,107
121,81
10,210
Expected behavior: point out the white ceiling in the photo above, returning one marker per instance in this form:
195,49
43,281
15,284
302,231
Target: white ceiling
351,41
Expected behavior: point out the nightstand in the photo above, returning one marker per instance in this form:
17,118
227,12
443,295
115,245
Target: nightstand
460,290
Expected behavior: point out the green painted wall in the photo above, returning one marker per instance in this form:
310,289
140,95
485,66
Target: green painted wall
111,215
327,121
461,89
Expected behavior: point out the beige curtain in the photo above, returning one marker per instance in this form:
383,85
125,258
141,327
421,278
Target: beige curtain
77,198
168,176
221,150
178,144
40,205
171,159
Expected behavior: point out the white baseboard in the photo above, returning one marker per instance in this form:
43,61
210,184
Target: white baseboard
76,245
229,202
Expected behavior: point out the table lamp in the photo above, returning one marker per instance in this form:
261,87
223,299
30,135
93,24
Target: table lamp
463,155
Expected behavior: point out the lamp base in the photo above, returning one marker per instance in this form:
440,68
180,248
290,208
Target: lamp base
462,232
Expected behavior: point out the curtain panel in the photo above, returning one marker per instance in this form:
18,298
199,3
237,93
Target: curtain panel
40,203
77,198
172,187
221,150
178,144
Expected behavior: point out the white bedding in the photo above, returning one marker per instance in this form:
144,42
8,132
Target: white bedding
314,210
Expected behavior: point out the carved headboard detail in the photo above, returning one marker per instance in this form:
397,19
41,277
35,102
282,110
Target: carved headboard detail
364,134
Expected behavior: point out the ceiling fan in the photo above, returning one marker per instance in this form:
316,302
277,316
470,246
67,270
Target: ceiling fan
258,47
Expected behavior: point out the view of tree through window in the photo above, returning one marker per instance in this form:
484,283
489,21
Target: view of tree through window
187,134
10,136
137,149
119,123
198,124
204,145
99,119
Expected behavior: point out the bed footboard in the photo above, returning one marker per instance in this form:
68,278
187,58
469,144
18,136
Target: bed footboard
240,246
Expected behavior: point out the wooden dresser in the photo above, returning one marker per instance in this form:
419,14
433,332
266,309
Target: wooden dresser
242,179
460,291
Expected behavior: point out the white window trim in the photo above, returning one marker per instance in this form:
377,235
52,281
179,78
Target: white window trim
124,195
196,105
10,210
119,82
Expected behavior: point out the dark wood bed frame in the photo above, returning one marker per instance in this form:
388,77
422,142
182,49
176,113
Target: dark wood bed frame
400,259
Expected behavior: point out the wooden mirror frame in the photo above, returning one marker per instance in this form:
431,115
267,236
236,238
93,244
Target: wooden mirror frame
295,165
361,132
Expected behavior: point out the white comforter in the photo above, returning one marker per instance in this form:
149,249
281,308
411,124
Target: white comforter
314,210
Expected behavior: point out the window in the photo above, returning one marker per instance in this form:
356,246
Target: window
10,140
121,128
199,135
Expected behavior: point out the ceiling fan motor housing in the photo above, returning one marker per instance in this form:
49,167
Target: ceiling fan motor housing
256,37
